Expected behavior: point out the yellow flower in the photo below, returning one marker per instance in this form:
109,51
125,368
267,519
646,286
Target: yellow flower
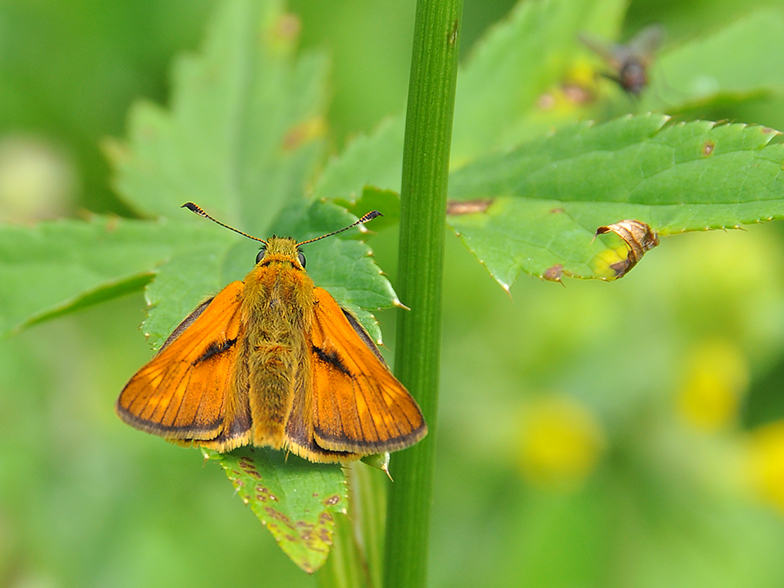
716,379
766,461
560,442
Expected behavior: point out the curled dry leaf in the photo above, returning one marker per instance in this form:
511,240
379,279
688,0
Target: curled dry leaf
639,238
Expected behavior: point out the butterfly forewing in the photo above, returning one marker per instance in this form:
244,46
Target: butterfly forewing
358,405
181,394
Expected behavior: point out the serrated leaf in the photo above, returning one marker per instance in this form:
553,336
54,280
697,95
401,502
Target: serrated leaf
740,61
242,139
385,201
245,127
369,160
548,197
57,267
497,93
181,284
295,499
529,54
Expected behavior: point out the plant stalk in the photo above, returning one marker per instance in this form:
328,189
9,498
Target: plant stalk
423,195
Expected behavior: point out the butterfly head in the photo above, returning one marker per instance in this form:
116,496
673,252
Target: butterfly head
281,250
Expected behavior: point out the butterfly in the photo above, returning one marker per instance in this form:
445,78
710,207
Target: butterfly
273,361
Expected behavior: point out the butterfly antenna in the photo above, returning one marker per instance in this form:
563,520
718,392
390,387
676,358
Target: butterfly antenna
194,208
365,218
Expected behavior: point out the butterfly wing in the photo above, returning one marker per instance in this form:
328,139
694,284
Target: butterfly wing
357,404
185,393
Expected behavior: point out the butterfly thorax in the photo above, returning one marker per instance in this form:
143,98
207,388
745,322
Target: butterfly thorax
277,311
278,293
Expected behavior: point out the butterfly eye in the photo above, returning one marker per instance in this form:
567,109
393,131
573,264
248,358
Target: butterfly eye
261,254
301,258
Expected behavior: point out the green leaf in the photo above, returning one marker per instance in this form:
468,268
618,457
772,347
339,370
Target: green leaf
738,62
385,201
242,139
295,499
58,267
374,160
521,59
182,283
497,93
97,58
545,200
245,129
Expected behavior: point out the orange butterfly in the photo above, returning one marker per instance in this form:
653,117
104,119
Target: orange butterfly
273,361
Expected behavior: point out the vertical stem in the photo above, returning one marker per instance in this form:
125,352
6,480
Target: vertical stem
423,203
343,568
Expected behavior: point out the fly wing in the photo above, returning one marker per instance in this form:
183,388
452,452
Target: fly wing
645,43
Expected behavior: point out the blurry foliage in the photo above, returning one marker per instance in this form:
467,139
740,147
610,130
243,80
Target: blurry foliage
661,393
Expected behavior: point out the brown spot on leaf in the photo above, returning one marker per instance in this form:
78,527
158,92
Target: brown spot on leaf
278,516
557,211
304,132
639,238
249,468
708,147
454,207
332,500
554,274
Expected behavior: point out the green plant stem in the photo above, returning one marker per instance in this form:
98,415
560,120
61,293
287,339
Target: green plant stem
423,203
343,568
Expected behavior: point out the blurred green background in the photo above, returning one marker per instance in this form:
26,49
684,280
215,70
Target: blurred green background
624,434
